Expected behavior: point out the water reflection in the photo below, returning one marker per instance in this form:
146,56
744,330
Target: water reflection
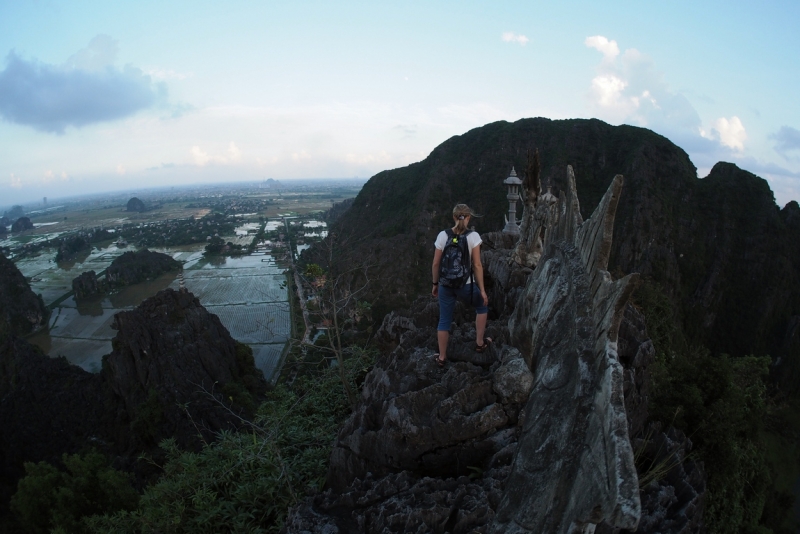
92,306
245,292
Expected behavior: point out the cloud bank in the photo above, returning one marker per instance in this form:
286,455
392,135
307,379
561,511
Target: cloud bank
86,90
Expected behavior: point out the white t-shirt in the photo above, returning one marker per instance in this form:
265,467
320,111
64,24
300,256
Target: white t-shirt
473,240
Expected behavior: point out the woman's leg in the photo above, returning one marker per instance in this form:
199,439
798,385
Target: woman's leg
480,328
481,314
444,338
447,303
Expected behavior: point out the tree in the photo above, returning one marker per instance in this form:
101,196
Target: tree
336,288
49,498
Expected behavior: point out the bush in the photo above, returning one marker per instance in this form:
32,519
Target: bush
49,498
246,481
719,402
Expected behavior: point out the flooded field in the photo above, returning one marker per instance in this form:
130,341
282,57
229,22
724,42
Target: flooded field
247,293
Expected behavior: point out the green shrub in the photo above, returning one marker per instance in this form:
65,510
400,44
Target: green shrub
49,498
719,402
246,481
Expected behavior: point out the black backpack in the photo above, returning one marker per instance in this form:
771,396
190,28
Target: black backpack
456,265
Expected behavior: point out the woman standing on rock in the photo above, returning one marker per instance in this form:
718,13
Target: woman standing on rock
456,270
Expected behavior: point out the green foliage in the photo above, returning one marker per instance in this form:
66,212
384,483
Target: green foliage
149,416
313,270
720,403
49,498
245,482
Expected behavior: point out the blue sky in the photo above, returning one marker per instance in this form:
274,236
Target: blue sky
98,96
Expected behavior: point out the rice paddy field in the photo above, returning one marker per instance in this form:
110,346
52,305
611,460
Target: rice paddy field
247,293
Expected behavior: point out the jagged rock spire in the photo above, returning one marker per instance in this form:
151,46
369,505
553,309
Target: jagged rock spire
574,467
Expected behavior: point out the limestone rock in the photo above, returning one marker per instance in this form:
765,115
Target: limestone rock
512,380
401,503
673,501
85,285
47,407
171,345
21,311
72,247
134,267
22,224
171,373
574,464
134,204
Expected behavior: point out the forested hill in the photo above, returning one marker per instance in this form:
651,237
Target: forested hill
718,247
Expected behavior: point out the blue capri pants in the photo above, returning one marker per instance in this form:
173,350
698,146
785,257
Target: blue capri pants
469,294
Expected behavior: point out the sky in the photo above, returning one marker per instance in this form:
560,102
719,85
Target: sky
102,96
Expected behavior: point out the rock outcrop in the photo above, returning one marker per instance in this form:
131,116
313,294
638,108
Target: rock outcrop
22,224
170,352
85,285
72,247
134,267
21,311
174,372
574,467
129,268
134,204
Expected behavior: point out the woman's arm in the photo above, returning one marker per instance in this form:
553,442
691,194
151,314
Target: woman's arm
477,268
437,259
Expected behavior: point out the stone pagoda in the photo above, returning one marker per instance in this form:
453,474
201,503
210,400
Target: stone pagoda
512,183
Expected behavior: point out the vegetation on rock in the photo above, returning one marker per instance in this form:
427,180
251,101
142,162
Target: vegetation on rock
50,499
245,481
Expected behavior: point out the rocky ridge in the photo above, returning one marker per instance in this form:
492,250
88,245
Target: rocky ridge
693,238
531,436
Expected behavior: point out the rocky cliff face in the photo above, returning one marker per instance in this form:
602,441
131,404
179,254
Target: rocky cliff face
697,238
171,352
21,311
173,372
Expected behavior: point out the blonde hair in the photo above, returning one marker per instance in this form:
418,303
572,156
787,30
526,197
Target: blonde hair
460,214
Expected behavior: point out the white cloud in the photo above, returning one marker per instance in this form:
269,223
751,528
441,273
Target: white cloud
16,181
511,37
608,92
202,158
609,49
120,169
628,88
731,132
